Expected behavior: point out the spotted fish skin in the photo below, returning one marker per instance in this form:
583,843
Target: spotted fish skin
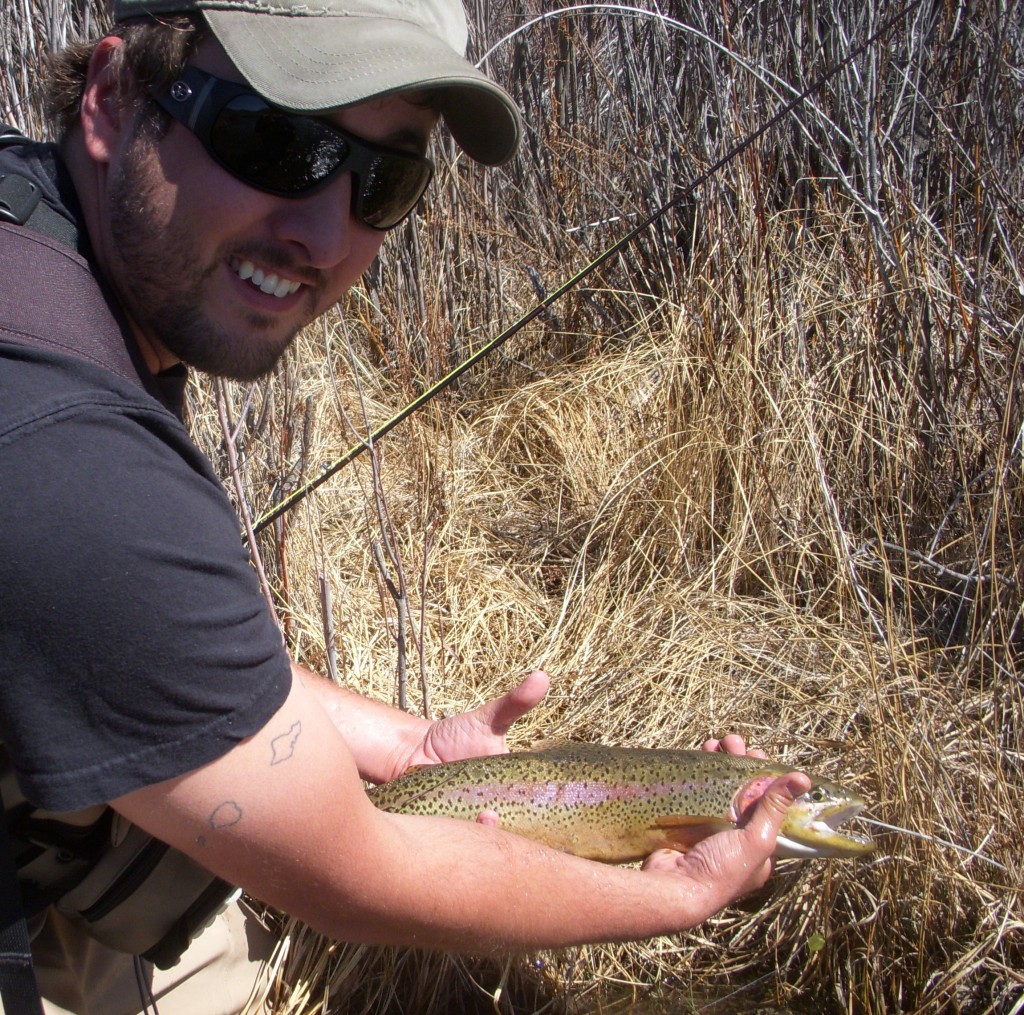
619,804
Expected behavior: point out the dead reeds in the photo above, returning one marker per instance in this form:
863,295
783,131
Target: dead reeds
762,474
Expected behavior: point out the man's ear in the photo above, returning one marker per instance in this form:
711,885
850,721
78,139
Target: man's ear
103,116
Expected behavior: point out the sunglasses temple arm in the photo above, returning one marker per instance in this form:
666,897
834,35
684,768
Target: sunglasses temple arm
193,110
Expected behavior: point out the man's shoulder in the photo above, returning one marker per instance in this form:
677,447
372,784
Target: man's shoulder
39,386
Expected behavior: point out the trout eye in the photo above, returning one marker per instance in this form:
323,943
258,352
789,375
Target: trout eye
818,794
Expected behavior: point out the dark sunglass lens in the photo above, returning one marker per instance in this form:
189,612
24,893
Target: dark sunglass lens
389,190
274,150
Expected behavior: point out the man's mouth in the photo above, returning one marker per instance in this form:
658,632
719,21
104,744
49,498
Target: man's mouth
268,282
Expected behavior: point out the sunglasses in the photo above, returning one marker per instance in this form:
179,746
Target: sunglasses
291,155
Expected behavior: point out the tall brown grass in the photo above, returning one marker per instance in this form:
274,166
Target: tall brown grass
762,473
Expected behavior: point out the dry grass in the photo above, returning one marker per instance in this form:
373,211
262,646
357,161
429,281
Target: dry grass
763,475
662,534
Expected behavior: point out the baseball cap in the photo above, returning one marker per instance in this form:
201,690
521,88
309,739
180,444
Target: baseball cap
312,56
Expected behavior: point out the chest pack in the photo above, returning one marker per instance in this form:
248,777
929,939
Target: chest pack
125,888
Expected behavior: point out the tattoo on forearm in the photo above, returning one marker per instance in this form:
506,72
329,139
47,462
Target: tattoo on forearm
225,815
283,747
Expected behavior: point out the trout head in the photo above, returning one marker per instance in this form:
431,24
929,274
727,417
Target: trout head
811,825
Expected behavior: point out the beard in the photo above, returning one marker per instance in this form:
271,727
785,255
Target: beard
164,283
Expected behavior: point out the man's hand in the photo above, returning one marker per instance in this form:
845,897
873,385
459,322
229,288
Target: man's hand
736,858
738,861
385,742
482,730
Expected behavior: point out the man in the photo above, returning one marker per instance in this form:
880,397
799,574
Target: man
226,170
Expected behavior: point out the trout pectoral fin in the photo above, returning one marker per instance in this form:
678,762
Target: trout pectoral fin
682,831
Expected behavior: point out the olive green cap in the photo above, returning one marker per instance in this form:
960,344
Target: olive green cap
318,55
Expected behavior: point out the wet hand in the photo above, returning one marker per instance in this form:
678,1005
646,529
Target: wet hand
735,862
481,730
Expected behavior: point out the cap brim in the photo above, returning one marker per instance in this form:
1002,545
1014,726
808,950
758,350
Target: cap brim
318,64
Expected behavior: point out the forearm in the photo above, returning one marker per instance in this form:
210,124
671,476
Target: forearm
461,887
380,737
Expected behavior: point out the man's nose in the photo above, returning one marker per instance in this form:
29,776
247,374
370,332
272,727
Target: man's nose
320,225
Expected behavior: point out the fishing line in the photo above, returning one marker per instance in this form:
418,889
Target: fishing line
495,343
934,838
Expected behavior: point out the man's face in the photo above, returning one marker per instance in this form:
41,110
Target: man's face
218,274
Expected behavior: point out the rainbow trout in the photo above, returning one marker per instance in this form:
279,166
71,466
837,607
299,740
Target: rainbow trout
619,804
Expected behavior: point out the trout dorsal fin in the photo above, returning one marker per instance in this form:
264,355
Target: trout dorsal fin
549,743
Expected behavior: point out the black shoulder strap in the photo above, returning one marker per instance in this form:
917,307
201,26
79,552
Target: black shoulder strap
21,199
67,313
9,134
50,298
18,989
19,196
19,992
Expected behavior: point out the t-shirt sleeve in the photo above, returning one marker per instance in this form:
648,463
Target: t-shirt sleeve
135,644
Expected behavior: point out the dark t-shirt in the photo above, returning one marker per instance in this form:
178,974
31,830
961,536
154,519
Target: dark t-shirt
134,642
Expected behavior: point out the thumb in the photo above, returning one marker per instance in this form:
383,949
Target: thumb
502,712
766,820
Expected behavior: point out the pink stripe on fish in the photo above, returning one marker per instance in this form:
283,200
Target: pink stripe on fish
567,793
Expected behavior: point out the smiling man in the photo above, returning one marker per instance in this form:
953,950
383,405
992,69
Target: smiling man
225,170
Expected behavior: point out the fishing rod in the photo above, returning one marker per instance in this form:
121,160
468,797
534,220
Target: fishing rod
619,245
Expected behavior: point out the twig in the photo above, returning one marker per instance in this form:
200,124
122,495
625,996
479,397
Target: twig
398,594
940,569
422,638
327,619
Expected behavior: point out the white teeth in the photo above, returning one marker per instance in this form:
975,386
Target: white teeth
269,282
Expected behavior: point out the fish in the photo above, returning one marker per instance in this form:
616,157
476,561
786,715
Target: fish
620,804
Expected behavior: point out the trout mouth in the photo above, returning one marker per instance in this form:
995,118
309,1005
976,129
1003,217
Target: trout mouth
811,829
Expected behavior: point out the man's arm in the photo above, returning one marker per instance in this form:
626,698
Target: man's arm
284,815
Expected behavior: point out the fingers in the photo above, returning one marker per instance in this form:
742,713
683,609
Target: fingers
732,743
502,712
489,819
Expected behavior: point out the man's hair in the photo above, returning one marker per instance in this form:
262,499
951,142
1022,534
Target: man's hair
152,56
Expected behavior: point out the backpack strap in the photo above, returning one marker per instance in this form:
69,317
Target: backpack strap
138,895
19,992
11,135
21,199
68,313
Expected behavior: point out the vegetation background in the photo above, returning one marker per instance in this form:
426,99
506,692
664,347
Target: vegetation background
761,472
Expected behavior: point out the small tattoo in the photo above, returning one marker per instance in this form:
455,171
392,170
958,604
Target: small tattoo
226,815
283,747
